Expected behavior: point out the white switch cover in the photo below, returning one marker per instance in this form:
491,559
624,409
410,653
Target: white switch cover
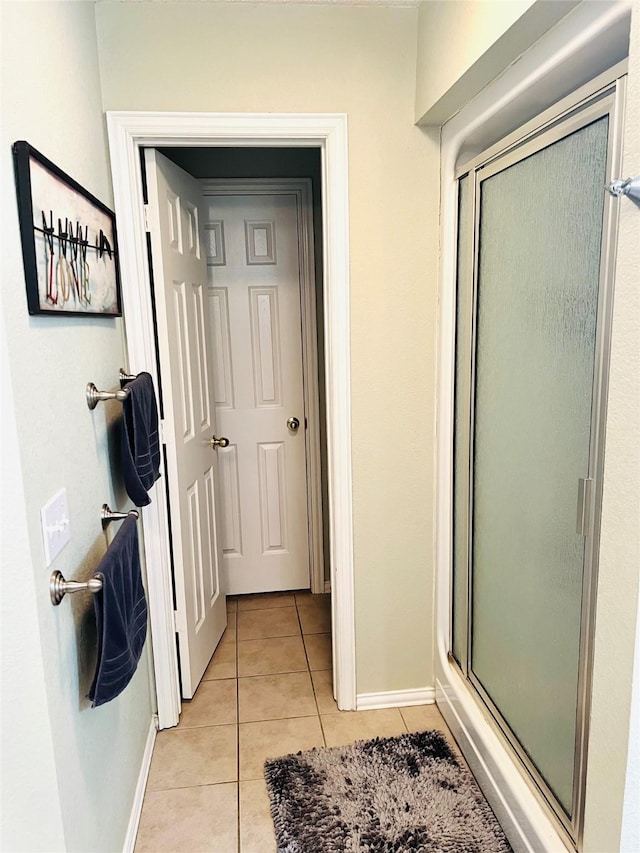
56,530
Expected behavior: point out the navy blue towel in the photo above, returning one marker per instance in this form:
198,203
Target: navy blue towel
140,444
121,615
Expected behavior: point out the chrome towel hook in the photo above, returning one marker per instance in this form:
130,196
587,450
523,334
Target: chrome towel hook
94,396
107,515
630,188
59,586
125,377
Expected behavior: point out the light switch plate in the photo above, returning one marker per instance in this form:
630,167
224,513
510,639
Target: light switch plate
56,529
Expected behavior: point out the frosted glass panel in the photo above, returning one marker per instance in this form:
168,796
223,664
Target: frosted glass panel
539,265
464,288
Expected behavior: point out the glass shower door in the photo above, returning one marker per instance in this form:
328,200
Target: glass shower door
539,214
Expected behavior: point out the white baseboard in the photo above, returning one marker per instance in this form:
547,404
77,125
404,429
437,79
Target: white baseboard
138,798
396,698
327,586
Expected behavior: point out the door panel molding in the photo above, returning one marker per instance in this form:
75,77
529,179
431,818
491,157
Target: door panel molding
183,355
301,188
129,133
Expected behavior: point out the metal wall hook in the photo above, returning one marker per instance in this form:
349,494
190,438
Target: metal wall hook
107,515
59,587
630,188
125,377
94,396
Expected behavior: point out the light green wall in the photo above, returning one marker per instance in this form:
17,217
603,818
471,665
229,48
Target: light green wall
51,97
360,61
464,44
26,746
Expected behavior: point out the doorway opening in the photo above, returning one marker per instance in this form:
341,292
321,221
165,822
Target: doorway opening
233,265
242,186
129,134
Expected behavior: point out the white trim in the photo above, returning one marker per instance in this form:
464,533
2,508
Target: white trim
301,188
396,698
141,786
526,823
141,347
327,586
129,132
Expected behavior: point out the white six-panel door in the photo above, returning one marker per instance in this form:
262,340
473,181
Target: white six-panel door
254,300
184,342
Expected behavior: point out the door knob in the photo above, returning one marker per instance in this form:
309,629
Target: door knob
218,442
293,424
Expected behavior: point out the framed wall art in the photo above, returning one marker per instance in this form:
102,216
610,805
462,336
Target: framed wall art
69,243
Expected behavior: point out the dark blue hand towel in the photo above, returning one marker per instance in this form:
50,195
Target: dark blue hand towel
140,444
121,615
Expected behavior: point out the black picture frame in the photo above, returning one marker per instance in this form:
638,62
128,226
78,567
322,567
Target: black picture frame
69,241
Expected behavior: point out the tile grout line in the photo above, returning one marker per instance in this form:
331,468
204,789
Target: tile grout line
238,709
189,787
238,820
313,686
404,722
187,728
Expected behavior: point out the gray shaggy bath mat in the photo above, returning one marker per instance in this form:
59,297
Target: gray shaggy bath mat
406,793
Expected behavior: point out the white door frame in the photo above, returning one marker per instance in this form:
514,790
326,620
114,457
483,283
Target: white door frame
301,189
129,132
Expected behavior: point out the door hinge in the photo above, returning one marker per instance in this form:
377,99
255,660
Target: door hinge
145,211
176,630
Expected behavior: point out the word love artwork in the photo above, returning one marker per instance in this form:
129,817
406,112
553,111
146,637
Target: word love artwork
69,244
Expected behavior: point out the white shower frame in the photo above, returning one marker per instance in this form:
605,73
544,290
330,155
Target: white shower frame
569,45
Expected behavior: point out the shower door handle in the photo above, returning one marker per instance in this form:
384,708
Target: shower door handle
584,506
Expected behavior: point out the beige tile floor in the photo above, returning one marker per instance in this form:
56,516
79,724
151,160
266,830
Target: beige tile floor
267,692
